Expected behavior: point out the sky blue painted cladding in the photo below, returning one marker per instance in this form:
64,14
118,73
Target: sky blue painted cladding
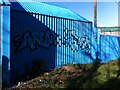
1,34
109,47
43,8
56,56
5,44
26,56
0,42
6,31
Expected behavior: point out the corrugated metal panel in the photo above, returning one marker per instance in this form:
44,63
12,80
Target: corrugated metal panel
5,42
113,33
60,41
0,33
0,45
43,8
109,47
110,29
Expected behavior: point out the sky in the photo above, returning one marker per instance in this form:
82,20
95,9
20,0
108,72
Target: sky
107,12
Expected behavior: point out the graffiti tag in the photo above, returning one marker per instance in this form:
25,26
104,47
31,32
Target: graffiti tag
71,39
35,39
47,38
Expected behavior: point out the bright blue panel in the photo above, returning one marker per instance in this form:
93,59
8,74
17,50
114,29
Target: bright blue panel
43,8
1,22
109,47
6,43
74,42
0,42
6,31
73,38
27,34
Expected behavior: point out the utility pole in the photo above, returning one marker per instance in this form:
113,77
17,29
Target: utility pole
95,13
96,29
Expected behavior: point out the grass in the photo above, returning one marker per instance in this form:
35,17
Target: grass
102,76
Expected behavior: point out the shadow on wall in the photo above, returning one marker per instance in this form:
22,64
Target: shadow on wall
5,72
109,47
0,76
31,41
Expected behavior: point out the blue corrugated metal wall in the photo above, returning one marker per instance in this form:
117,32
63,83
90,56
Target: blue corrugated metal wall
26,45
5,43
47,9
109,47
58,40
0,44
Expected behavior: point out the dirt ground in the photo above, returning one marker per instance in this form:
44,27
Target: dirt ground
94,75
56,78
